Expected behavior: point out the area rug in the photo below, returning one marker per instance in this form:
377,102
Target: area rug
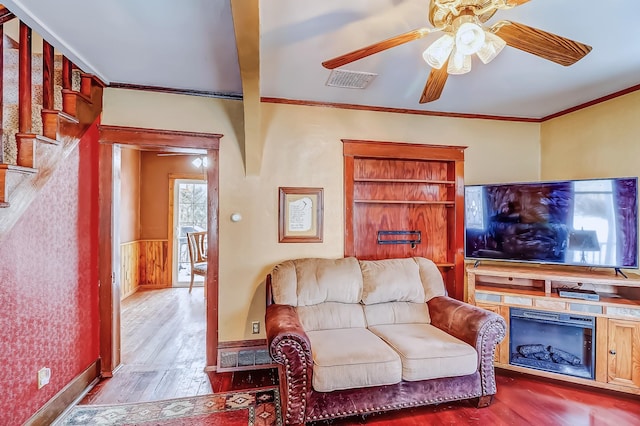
247,408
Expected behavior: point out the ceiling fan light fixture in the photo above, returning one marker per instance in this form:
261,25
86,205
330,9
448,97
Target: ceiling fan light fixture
436,55
469,38
491,47
459,63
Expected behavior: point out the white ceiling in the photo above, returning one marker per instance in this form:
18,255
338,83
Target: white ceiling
187,44
190,45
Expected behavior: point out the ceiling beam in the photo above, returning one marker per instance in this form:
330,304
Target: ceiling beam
246,23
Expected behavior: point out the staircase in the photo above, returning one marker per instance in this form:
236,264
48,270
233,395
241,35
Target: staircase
47,104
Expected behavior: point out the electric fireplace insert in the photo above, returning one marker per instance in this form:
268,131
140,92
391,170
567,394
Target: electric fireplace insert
550,341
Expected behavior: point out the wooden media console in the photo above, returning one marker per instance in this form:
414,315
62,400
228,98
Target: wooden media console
616,342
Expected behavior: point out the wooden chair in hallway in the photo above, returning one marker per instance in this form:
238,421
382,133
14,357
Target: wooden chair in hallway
197,243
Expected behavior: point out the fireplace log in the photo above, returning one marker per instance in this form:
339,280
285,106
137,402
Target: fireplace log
543,356
531,349
563,355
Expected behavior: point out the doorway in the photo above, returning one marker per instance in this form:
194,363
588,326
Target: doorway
187,213
109,305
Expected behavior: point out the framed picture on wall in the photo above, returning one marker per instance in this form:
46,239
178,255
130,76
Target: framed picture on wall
300,215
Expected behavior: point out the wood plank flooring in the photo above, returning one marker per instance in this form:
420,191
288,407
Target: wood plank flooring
163,349
521,400
164,356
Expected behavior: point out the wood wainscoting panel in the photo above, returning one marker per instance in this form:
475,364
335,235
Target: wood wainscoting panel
154,268
129,260
144,263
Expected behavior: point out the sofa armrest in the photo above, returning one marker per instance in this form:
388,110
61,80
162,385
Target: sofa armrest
290,346
478,327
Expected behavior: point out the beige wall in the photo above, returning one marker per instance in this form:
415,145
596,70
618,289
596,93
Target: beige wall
129,195
302,147
599,141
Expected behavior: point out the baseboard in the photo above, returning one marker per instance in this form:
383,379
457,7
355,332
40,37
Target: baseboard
67,395
243,355
129,293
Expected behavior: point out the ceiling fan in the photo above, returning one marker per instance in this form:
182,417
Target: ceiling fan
464,35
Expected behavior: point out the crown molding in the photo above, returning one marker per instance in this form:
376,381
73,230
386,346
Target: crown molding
396,110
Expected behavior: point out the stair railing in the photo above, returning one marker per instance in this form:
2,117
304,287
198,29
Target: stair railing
61,128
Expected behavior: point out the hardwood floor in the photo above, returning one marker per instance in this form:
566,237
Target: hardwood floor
164,356
521,400
163,349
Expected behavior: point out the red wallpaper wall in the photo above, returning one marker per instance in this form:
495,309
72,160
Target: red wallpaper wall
48,287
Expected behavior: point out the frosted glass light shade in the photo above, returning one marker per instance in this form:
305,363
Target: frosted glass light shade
200,162
469,38
459,63
436,55
491,47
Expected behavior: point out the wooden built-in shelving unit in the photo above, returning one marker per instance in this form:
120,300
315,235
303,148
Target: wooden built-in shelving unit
402,187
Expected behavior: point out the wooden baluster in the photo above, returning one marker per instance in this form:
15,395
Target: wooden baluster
24,80
68,98
24,137
85,85
66,73
1,92
5,15
50,118
48,76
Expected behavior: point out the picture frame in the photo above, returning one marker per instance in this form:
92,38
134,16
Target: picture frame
300,215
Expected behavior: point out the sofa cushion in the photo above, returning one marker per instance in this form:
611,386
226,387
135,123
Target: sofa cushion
397,313
304,282
352,358
428,352
431,278
391,280
329,315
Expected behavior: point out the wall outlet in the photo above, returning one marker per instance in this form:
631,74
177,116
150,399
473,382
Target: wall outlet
44,376
255,327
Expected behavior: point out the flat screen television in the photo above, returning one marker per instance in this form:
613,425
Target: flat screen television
573,222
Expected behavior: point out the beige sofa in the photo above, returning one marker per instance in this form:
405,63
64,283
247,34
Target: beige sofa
354,337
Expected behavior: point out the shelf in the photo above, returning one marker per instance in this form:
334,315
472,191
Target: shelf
403,187
392,180
506,290
442,203
561,274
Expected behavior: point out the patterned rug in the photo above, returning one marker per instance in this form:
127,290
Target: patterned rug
252,408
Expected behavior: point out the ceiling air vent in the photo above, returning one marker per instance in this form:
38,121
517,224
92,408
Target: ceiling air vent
350,79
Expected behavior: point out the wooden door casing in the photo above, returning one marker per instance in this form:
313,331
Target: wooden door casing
170,141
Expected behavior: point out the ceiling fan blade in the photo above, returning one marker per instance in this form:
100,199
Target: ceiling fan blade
375,48
435,84
541,43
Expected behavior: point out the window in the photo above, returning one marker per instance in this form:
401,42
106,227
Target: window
190,215
594,222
